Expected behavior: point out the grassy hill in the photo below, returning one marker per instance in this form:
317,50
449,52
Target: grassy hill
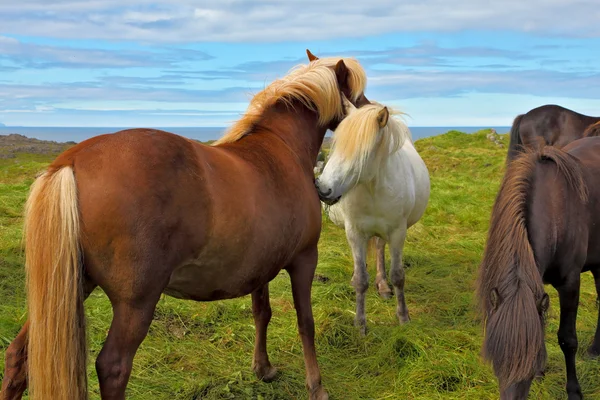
204,350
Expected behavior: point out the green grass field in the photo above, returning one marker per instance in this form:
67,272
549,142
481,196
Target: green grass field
204,350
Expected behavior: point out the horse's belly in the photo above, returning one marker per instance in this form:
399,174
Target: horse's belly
195,280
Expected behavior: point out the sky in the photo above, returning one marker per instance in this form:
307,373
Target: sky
131,63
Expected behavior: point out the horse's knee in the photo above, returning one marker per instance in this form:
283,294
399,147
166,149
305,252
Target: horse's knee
113,370
397,276
567,342
360,281
263,315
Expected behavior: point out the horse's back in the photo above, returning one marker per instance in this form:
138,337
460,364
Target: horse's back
553,125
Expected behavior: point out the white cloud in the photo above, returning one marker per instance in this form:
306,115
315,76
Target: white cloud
33,55
298,20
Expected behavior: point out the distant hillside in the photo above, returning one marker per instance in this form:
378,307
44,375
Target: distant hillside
11,145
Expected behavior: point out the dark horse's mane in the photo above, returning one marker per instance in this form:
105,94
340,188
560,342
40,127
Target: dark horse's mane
509,282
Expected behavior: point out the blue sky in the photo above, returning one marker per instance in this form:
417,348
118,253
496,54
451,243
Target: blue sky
196,63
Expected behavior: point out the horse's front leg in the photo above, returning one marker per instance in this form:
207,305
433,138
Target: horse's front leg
567,335
360,278
261,309
302,271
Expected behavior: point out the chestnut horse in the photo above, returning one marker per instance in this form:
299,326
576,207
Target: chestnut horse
545,229
142,212
549,125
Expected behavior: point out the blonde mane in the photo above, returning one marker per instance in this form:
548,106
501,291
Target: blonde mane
313,85
356,73
356,137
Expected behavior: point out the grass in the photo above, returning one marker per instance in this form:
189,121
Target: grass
204,350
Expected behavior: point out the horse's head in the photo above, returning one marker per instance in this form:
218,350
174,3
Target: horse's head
362,141
319,87
515,372
352,82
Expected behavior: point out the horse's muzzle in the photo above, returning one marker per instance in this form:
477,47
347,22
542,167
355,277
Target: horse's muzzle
325,197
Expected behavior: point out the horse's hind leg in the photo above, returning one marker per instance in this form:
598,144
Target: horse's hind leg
360,278
381,277
397,274
302,272
568,294
14,382
15,370
594,349
131,320
261,309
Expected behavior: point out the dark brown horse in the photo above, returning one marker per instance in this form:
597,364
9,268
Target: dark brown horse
545,229
547,125
143,212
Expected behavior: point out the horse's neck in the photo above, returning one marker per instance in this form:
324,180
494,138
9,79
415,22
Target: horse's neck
389,167
297,128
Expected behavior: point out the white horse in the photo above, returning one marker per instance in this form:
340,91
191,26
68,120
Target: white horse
376,185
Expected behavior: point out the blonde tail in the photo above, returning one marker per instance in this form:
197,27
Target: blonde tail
57,353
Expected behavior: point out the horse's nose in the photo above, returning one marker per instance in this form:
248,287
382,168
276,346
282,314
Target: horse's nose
322,195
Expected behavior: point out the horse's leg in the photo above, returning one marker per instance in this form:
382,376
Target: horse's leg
131,320
397,274
302,271
567,335
14,382
15,370
360,278
381,277
594,349
261,309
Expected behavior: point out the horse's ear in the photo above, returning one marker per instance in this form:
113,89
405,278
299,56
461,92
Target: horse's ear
341,72
311,56
348,106
383,116
494,299
543,303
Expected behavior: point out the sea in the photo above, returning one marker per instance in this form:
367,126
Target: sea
74,134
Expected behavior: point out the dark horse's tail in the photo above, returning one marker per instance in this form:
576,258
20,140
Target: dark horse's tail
514,146
509,282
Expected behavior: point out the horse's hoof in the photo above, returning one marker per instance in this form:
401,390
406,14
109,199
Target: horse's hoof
593,352
403,319
265,373
575,396
384,290
318,394
362,329
574,392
